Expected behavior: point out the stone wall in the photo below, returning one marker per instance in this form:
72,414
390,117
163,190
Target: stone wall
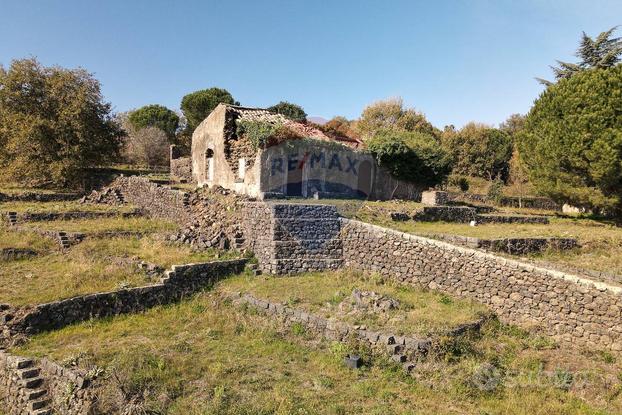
180,281
569,308
37,197
180,165
290,238
543,203
402,349
514,246
41,386
466,214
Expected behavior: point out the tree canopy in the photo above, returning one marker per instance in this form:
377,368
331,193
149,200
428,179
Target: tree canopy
479,150
156,116
572,141
602,52
391,115
53,124
292,111
411,156
196,106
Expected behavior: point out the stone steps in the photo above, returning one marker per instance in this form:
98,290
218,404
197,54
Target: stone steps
34,395
12,217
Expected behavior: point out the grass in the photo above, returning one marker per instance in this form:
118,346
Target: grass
419,312
12,239
202,356
91,266
114,224
60,207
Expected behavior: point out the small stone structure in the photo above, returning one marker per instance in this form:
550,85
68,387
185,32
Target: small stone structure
181,165
10,254
434,198
290,238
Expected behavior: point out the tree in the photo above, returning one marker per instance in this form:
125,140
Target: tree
513,125
156,116
391,115
602,52
479,150
196,106
53,124
292,111
411,156
147,147
339,126
572,141
518,177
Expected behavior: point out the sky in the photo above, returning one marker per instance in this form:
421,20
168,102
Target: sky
454,60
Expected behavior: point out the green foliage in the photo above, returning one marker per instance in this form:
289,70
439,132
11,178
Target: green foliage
602,52
390,115
264,134
572,142
289,110
411,156
155,116
53,124
479,150
495,190
196,106
460,182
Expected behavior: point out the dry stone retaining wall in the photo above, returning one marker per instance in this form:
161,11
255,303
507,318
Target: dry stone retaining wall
567,307
181,281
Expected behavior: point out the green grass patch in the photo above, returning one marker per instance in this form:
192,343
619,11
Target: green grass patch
13,239
91,266
114,224
420,311
204,357
61,207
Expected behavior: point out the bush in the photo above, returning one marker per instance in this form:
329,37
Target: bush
460,182
264,134
495,191
53,125
572,141
411,156
155,116
292,111
147,147
479,150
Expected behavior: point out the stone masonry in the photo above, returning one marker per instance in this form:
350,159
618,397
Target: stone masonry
569,308
290,238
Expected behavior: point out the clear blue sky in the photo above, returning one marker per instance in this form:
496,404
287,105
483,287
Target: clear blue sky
456,61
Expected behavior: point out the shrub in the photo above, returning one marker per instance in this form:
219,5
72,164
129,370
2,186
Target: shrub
495,190
572,141
410,156
264,134
292,111
460,182
147,147
479,150
155,116
53,124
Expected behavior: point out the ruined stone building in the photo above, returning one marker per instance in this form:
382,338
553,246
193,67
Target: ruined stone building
311,165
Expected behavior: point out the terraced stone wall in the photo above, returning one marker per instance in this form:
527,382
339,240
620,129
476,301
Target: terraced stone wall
567,307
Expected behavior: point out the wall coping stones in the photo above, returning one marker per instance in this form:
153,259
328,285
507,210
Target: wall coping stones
601,286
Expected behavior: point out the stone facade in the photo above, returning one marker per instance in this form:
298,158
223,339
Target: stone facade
180,281
290,238
571,309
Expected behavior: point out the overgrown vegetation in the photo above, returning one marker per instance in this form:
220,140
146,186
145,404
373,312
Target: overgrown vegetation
292,111
263,134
